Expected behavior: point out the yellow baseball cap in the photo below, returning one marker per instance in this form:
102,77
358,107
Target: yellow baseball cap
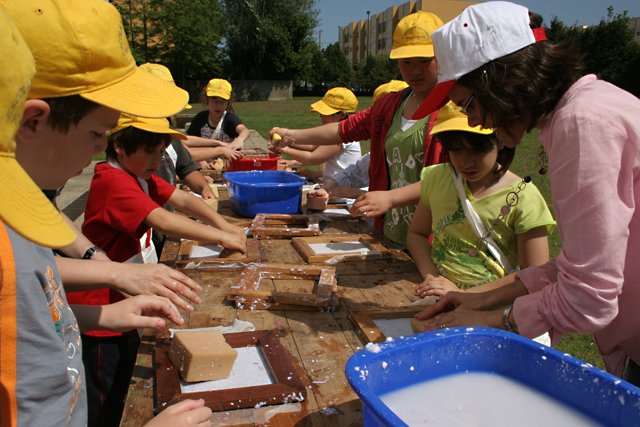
23,206
147,124
163,72
450,118
336,100
219,87
412,37
81,48
387,88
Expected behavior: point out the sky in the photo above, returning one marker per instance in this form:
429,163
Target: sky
335,13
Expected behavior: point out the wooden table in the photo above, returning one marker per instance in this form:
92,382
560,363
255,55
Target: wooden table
318,343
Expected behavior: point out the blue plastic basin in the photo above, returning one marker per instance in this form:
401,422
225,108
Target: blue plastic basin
257,192
426,356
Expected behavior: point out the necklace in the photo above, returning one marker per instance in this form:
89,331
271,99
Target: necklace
415,98
534,163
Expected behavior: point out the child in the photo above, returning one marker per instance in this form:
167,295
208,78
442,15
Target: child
41,376
591,133
335,106
125,201
400,146
218,123
479,162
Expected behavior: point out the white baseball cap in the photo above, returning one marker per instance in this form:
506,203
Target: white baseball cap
480,34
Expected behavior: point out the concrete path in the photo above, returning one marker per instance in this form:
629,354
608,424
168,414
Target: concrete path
73,197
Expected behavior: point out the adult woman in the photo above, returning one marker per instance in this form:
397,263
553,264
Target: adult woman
399,145
590,131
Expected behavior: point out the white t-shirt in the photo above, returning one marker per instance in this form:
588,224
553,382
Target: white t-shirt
349,155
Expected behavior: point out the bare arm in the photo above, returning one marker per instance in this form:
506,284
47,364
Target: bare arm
376,203
205,153
80,246
418,242
322,135
197,141
533,247
198,184
316,157
243,135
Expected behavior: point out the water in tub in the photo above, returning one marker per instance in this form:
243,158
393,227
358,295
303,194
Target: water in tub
480,399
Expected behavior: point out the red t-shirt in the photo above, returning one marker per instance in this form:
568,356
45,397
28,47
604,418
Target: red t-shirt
114,220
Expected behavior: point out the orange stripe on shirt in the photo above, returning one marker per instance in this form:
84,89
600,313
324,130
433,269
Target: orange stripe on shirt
8,332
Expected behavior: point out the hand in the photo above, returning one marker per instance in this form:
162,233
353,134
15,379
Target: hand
187,413
306,173
207,178
141,311
207,193
319,193
347,192
157,279
462,317
439,286
235,144
231,154
204,165
453,300
372,203
276,142
234,241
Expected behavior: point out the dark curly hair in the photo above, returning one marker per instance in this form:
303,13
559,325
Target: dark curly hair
482,143
525,86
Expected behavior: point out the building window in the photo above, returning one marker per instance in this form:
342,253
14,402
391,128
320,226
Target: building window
373,29
350,36
350,49
389,42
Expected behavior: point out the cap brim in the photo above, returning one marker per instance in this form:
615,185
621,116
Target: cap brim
322,108
458,124
141,94
27,211
188,107
224,96
414,51
438,97
159,129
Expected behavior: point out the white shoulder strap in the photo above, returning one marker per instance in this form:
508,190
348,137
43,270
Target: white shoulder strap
477,226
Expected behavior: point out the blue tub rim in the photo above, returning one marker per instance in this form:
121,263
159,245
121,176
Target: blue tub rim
231,177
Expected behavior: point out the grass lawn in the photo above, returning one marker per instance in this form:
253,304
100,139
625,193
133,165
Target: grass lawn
294,114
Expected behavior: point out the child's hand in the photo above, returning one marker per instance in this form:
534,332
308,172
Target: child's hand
439,286
347,192
142,311
232,240
319,193
230,154
157,279
188,413
236,145
372,203
207,193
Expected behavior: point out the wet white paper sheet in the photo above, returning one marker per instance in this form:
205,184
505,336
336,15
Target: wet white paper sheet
341,247
394,328
205,251
248,370
335,212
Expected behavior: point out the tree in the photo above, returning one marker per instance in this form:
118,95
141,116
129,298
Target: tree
269,39
184,35
377,70
337,71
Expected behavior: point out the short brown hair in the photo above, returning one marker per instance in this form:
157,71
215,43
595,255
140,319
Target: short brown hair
205,100
132,139
525,86
67,111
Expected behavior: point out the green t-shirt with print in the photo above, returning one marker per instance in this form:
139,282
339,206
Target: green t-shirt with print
404,150
453,237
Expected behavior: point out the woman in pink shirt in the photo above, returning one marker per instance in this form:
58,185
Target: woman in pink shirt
500,69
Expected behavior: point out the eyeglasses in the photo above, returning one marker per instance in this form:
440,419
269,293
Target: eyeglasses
463,110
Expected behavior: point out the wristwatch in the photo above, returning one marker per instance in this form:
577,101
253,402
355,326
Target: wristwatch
91,252
505,319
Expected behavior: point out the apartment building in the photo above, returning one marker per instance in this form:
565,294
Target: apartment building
357,42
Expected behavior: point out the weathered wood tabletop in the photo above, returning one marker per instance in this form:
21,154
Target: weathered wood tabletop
318,343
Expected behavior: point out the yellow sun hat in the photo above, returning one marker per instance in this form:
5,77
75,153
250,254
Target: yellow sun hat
336,100
23,206
450,118
81,48
412,37
147,124
387,88
219,87
163,72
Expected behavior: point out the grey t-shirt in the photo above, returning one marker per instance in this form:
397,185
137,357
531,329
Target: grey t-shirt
50,375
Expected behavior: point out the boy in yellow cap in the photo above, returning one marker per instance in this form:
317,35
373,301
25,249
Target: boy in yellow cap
400,146
73,100
336,105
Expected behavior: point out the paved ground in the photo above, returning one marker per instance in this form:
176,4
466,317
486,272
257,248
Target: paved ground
73,198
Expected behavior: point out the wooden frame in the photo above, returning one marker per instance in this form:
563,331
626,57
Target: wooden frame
287,387
269,226
253,254
302,245
363,320
247,295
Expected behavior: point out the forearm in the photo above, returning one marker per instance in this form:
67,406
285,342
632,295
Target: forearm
243,135
420,250
205,153
197,141
80,246
304,157
501,292
86,274
322,135
196,182
330,186
179,226
405,196
89,317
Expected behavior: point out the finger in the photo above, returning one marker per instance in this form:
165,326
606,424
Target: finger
185,405
433,310
155,306
184,279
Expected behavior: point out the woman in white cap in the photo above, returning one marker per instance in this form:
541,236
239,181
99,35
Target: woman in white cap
515,81
336,105
400,146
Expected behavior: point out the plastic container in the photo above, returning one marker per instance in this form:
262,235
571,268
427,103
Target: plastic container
254,160
422,357
257,192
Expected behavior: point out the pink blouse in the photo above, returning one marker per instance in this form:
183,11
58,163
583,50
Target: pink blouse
593,286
